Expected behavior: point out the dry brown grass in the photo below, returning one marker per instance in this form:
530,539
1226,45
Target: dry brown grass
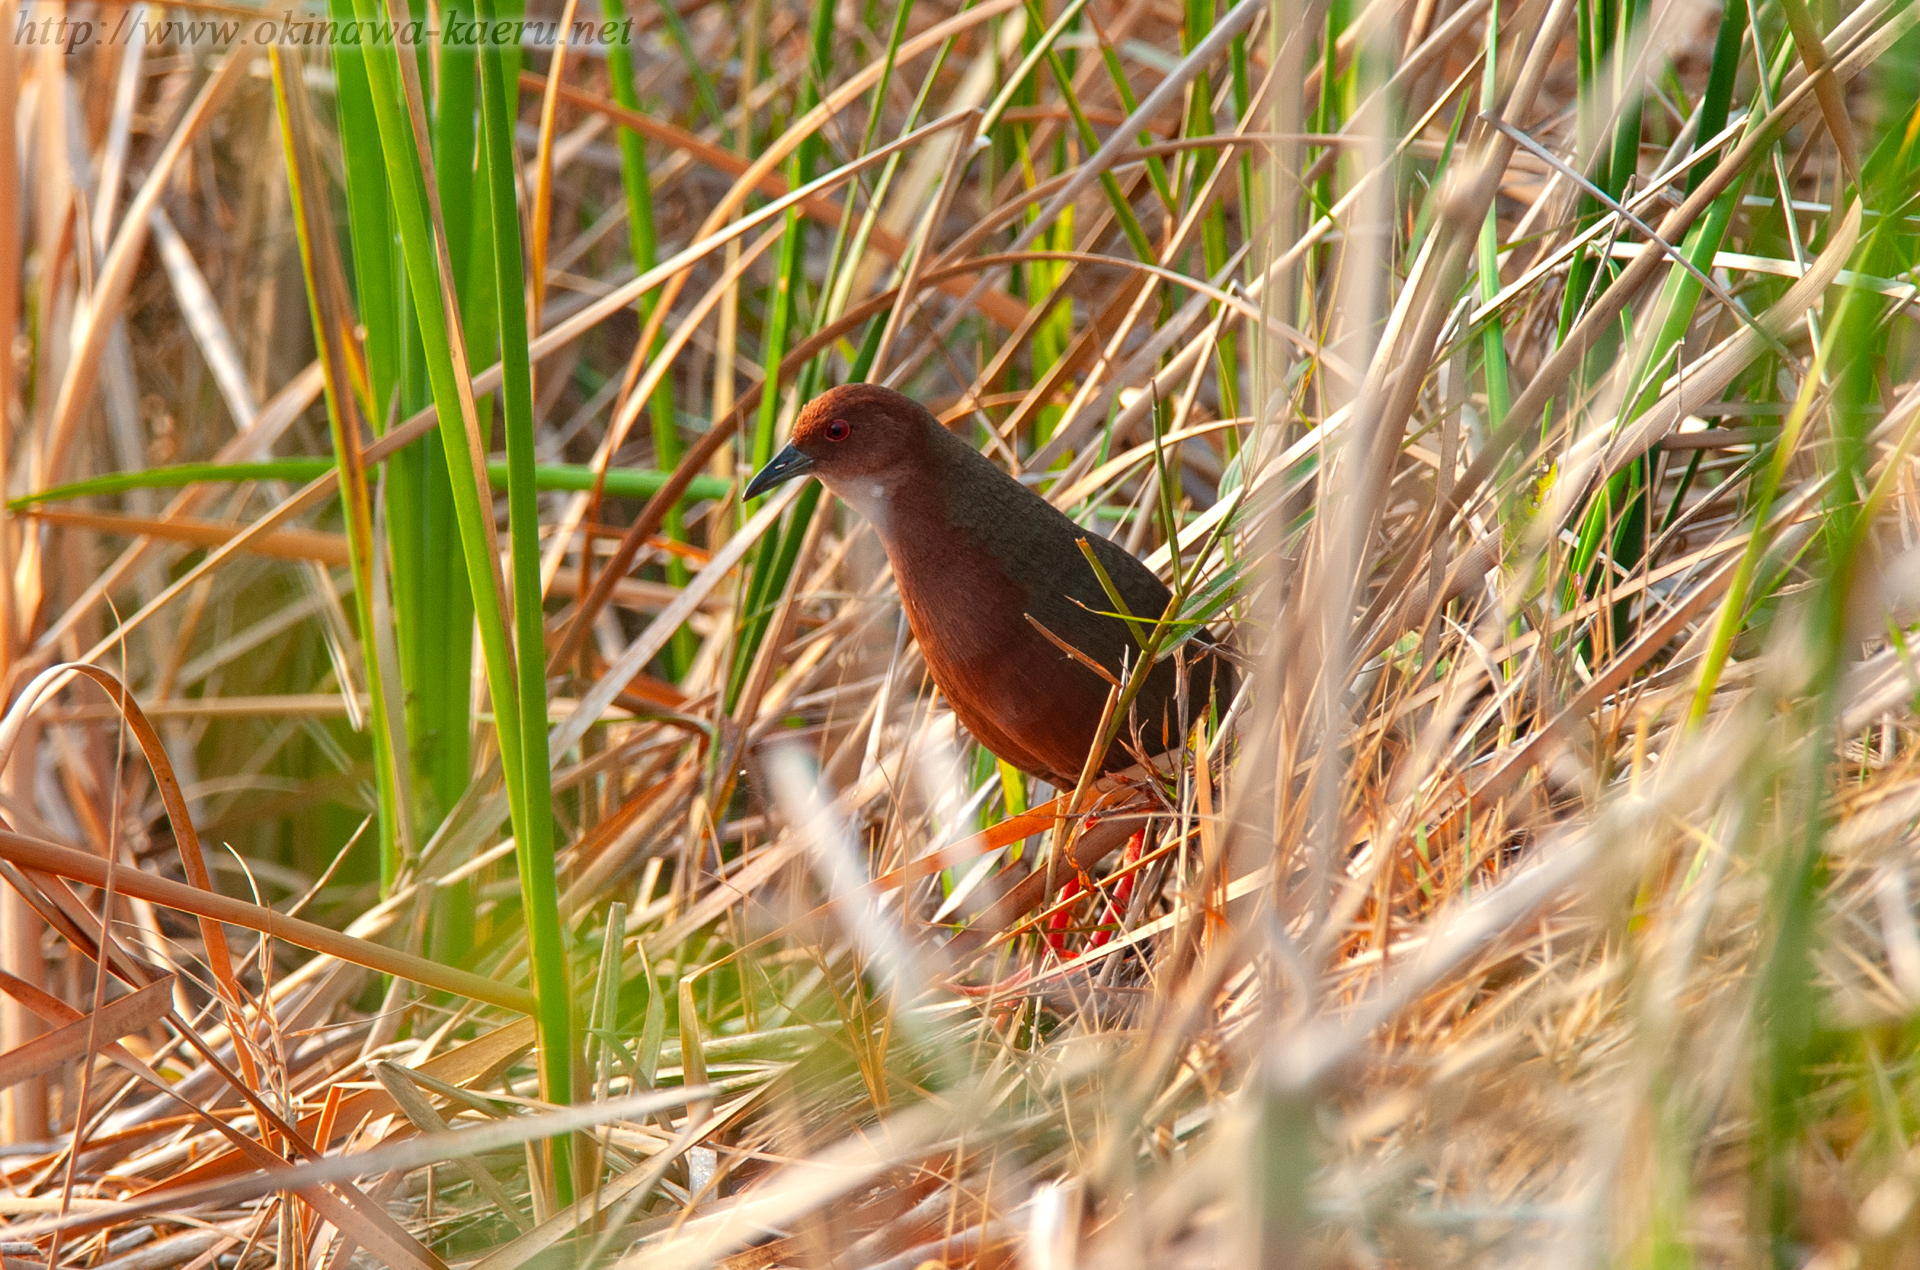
1546,896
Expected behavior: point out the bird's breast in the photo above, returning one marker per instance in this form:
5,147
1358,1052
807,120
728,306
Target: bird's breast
1019,695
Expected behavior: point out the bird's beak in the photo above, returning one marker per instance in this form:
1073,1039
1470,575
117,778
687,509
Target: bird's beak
782,468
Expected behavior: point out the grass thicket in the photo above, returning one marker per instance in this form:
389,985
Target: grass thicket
443,824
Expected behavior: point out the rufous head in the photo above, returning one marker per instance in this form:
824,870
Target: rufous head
859,439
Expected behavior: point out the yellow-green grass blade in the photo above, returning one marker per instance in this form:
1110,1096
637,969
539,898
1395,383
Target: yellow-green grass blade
1213,231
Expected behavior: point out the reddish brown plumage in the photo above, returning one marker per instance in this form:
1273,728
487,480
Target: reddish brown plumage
975,555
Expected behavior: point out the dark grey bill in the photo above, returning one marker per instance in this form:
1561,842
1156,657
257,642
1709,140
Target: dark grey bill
780,469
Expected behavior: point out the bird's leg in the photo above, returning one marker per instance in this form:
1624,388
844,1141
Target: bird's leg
1122,890
1057,924
1089,848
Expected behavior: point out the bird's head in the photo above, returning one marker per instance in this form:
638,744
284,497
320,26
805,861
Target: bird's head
859,439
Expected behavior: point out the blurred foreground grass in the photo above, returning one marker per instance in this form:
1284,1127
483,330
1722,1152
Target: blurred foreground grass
1528,388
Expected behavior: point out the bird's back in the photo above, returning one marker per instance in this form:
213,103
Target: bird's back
996,555
1034,539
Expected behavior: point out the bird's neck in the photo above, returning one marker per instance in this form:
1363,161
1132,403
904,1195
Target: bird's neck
908,512
908,504
885,501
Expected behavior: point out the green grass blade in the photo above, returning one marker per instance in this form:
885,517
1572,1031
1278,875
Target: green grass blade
313,232
1493,338
703,85
432,610
632,482
444,353
1122,210
643,241
533,832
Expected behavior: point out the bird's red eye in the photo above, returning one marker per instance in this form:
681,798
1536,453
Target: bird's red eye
838,430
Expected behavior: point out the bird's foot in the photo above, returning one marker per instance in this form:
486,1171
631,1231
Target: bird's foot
1057,931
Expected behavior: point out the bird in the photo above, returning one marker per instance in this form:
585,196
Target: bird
982,563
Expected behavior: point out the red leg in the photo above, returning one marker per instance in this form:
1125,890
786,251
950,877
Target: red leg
1057,924
1123,889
